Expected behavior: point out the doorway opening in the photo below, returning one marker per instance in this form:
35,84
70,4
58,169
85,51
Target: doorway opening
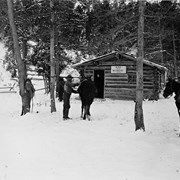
99,82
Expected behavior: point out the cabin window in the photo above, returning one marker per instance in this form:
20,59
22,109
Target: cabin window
131,78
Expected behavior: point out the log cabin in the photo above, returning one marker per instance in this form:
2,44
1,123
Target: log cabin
114,75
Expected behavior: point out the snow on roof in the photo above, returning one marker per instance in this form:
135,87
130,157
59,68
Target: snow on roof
115,53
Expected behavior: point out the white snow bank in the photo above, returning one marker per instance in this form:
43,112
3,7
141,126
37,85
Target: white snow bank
41,145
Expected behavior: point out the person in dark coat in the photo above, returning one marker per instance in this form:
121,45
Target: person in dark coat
68,90
27,96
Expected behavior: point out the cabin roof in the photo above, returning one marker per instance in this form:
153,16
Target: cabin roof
116,54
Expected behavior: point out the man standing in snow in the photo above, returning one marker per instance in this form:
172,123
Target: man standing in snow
28,94
68,89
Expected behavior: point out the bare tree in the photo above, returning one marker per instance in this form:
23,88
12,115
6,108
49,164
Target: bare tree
138,117
52,60
26,95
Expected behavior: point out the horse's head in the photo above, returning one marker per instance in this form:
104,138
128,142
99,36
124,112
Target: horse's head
169,88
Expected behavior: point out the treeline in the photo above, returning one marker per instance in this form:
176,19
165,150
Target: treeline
91,27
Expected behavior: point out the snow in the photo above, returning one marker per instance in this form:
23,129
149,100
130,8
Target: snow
4,75
41,146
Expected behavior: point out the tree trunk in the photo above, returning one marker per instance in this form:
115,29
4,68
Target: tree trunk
24,53
174,50
20,62
160,41
57,77
138,115
46,84
52,60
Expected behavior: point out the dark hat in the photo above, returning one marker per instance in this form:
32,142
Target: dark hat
69,77
88,76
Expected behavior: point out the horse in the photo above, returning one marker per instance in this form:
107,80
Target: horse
173,86
87,92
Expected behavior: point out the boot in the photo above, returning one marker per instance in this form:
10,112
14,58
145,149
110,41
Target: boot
66,112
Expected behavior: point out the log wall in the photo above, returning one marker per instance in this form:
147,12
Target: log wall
123,85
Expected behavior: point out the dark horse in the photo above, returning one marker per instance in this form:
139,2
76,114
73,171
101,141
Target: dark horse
87,92
173,86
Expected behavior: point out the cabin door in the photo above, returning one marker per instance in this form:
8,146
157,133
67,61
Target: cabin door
99,82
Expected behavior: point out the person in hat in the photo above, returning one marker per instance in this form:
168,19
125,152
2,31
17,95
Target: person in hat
27,95
68,90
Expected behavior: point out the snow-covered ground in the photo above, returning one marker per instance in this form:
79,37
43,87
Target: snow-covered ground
41,146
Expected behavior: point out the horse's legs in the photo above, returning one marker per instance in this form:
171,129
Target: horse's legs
84,115
22,112
82,106
179,122
178,108
88,112
89,107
